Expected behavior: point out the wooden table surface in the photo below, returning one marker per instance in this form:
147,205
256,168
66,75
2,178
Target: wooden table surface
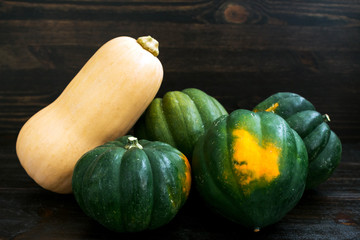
240,52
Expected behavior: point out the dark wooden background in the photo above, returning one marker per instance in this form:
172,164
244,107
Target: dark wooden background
237,51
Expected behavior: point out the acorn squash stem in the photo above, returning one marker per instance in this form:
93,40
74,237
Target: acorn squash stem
133,142
326,118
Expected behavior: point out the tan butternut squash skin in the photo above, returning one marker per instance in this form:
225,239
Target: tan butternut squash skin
101,103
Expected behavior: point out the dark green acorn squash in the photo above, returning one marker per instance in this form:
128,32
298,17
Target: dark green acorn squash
130,186
179,118
323,146
250,167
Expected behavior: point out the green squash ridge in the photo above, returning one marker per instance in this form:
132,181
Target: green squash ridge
319,136
301,106
304,122
187,140
212,184
210,101
166,125
187,92
89,170
283,144
163,122
313,180
165,218
150,224
117,147
95,165
154,173
124,205
156,149
116,154
77,182
123,227
217,104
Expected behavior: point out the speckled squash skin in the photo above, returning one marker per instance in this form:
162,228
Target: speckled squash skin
179,118
132,189
250,167
323,145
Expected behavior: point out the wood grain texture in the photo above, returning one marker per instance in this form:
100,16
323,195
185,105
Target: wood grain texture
261,47
239,51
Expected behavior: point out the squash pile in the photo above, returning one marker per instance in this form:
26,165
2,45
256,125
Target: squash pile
251,167
102,102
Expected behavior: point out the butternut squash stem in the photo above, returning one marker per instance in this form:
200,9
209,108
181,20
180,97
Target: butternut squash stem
133,142
150,44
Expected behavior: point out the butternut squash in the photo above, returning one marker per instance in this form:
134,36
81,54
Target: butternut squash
101,103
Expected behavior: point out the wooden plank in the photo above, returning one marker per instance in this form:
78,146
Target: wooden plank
212,59
254,12
173,35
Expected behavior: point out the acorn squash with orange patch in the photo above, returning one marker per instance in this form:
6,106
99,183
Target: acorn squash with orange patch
250,167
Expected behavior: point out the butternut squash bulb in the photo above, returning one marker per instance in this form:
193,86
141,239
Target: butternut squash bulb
100,104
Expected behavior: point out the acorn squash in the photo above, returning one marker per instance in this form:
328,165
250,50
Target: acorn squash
322,144
129,185
250,167
179,118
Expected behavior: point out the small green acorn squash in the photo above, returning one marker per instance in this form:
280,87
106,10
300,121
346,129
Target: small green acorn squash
250,167
179,118
323,145
130,186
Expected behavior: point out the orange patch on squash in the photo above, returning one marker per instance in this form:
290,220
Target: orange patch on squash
187,184
252,161
272,108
